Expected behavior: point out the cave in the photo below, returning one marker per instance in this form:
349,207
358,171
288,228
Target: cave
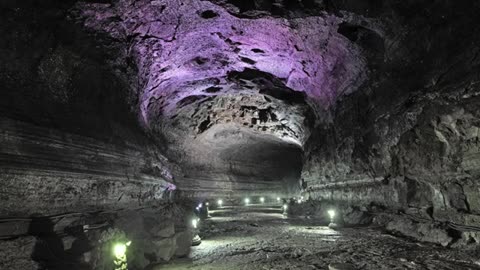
231,134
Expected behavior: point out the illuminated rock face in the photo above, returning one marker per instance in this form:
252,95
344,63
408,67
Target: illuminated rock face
189,48
364,104
209,79
220,101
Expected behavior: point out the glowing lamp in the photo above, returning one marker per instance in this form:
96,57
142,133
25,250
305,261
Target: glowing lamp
120,250
285,207
278,199
247,200
262,199
207,203
200,205
331,213
220,202
194,223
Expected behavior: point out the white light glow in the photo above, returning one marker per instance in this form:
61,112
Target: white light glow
247,200
262,199
285,207
207,203
331,213
278,199
220,202
120,250
195,223
200,205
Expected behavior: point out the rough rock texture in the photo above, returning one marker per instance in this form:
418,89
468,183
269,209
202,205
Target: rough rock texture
70,145
16,253
409,140
262,238
367,106
86,240
209,79
68,140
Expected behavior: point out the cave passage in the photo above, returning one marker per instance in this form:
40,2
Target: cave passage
234,161
239,134
260,235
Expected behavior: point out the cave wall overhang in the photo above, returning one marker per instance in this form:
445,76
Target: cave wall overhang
202,66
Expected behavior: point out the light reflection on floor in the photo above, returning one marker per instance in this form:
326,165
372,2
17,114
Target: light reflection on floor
253,238
233,231
326,233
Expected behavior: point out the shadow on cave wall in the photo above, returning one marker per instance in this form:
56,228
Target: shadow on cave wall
49,250
56,75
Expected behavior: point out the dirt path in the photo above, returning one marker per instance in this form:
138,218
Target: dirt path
259,237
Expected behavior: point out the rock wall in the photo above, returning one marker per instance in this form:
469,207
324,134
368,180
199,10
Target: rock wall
69,140
87,240
210,79
46,171
408,140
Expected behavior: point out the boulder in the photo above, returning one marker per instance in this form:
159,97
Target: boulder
183,243
425,232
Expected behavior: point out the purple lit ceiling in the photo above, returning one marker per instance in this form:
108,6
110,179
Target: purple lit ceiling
185,51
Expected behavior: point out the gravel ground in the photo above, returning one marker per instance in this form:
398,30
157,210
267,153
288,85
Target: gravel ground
260,237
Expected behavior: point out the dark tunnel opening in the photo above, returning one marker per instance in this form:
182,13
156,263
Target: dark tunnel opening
247,162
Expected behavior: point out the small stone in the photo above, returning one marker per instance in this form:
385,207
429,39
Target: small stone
297,253
68,242
333,226
196,240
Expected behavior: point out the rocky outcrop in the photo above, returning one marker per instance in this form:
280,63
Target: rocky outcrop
207,73
89,240
72,154
366,106
411,146
47,172
68,140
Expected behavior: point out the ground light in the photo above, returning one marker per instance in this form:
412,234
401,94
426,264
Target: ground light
331,214
262,199
194,223
120,254
332,224
119,250
196,239
247,201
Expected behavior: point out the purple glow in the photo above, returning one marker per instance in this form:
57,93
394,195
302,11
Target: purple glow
178,52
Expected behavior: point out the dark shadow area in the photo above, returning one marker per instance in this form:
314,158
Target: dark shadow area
268,84
49,250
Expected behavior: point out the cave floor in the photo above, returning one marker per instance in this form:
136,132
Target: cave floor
260,237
